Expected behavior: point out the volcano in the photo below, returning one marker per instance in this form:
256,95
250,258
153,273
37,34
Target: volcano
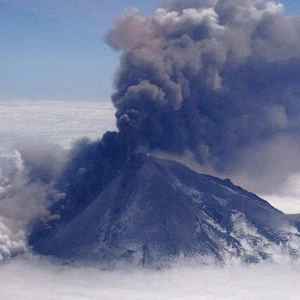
155,211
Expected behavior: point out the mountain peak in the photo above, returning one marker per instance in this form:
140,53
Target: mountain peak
158,210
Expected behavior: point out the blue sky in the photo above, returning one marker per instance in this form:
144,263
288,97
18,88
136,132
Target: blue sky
53,49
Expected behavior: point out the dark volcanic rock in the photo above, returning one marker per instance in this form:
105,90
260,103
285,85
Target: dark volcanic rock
156,210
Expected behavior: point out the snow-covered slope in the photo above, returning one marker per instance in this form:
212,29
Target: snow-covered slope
155,211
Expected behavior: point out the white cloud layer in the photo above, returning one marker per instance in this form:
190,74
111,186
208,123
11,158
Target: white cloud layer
34,279
60,122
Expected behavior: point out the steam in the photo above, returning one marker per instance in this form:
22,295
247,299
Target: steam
30,168
27,179
214,78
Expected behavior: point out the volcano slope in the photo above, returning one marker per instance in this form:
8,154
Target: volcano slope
156,211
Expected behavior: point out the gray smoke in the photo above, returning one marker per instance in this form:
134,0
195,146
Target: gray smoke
27,177
214,77
218,80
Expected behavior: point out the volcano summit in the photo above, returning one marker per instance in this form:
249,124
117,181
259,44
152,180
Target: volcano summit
155,211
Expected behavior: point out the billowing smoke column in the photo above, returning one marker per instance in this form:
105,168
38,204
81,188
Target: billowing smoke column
218,79
212,77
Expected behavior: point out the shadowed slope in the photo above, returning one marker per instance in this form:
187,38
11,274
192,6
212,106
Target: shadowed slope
156,210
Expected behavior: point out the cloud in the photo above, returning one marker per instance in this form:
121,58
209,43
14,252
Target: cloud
60,122
12,243
38,279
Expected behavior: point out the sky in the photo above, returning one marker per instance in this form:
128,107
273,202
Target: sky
54,49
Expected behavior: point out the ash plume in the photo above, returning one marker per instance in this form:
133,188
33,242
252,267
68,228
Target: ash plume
212,77
217,80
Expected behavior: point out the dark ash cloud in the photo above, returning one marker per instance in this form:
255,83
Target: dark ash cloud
213,77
